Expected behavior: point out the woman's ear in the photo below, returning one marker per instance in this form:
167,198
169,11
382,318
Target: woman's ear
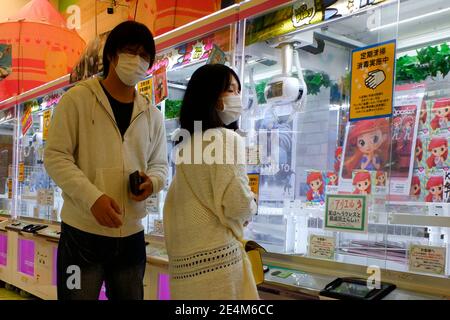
220,106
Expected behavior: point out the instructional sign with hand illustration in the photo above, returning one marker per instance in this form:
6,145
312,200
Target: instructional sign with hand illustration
372,81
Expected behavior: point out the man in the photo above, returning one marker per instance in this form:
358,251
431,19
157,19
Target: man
102,131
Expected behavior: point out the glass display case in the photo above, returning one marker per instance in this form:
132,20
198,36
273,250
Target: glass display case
299,80
8,125
37,195
166,85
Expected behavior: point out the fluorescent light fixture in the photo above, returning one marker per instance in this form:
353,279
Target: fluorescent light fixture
410,19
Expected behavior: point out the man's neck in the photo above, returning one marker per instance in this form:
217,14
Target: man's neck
117,89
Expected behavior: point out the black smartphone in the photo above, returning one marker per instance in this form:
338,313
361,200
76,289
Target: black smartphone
135,182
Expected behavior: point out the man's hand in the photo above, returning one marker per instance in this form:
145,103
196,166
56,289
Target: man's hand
146,187
107,212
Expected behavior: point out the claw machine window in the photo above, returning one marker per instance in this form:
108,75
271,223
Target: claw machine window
297,74
166,85
7,130
38,196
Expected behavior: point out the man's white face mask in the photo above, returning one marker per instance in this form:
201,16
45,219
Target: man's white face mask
131,68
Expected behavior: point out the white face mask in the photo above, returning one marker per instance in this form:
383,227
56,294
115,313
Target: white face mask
131,68
232,109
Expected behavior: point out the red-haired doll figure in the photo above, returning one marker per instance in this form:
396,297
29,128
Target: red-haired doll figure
439,148
369,140
441,110
332,179
415,186
337,159
408,123
362,183
316,187
381,179
419,150
435,188
423,113
397,124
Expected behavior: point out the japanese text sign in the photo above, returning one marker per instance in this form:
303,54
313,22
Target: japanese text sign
427,259
372,81
346,213
321,247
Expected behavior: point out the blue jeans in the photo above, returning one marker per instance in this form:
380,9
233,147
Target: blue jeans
87,260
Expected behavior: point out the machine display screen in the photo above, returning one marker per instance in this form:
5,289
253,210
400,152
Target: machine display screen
275,90
352,289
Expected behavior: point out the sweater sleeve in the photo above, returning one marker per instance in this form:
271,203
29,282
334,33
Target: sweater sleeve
157,163
59,153
238,199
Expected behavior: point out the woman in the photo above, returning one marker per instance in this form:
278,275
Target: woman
209,202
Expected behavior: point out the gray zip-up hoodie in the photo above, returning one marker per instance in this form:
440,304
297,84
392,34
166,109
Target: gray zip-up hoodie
86,156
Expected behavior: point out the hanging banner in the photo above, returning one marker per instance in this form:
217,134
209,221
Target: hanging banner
427,259
346,213
299,15
27,119
372,81
47,115
160,85
194,51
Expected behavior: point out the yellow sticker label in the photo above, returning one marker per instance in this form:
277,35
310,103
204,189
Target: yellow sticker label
372,81
21,172
47,118
254,183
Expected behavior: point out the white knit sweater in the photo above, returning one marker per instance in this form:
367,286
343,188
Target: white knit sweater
204,213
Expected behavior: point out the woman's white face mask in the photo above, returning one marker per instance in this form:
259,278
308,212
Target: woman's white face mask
131,68
232,109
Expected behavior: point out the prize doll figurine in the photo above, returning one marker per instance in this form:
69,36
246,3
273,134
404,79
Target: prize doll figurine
423,113
337,159
316,191
441,110
397,123
362,184
419,150
369,140
332,179
439,149
407,124
381,179
435,188
415,187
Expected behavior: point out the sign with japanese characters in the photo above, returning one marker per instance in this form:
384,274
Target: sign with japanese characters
10,183
301,14
346,213
47,115
146,87
254,182
427,259
21,172
321,247
372,81
27,119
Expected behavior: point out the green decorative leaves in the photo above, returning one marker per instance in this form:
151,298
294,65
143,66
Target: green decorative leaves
430,61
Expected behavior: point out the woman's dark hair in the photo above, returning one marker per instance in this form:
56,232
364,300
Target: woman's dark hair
125,34
202,97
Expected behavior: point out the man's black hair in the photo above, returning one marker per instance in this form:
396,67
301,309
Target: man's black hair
202,95
127,34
